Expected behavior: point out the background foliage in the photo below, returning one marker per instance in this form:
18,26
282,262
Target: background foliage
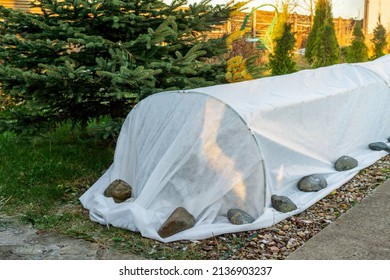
379,40
282,60
358,51
322,47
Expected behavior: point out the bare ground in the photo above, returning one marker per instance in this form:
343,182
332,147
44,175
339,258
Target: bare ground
22,242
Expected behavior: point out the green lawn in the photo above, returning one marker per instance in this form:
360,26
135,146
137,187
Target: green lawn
41,180
48,170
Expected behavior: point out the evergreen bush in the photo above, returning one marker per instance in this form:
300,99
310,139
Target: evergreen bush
379,40
358,51
322,47
282,60
80,60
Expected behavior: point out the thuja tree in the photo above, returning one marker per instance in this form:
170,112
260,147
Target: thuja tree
358,51
282,60
322,47
379,40
80,60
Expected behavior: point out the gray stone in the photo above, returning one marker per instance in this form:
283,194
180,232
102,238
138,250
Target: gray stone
283,204
312,183
345,163
119,190
388,139
379,146
178,221
239,217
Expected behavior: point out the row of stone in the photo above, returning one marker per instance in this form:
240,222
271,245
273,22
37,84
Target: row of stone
311,183
181,219
315,182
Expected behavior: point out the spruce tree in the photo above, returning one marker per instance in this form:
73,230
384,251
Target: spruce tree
282,60
322,47
80,60
358,51
379,40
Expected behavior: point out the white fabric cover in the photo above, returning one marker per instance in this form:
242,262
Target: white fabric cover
234,145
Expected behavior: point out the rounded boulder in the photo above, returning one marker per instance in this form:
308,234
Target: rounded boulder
312,183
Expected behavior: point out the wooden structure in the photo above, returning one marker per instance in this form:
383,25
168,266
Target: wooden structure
17,4
300,24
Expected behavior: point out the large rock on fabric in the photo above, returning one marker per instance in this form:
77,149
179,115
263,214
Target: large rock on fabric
119,190
379,146
283,204
312,183
178,221
239,217
345,163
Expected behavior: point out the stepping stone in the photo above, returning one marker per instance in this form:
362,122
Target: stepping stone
379,146
239,217
312,183
178,221
119,190
283,204
345,163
